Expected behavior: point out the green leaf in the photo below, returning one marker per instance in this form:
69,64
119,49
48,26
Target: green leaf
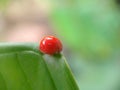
24,67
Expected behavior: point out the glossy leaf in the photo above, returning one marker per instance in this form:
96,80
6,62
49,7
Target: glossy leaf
24,67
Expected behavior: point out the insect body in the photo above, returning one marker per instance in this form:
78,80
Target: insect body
50,45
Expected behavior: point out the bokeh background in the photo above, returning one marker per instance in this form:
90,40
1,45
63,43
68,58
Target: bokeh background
88,29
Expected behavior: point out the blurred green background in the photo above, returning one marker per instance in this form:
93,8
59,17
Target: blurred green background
88,29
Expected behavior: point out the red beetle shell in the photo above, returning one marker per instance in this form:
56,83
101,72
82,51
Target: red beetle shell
50,45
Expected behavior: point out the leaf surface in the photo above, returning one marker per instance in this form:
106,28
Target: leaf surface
24,67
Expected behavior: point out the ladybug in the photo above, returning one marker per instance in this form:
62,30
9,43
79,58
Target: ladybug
50,45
